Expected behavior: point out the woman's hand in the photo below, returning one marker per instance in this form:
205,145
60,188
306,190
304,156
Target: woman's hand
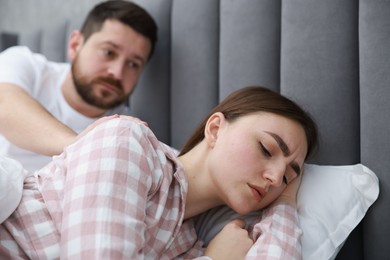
232,242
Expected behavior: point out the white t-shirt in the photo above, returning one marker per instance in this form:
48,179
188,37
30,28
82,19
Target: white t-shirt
42,79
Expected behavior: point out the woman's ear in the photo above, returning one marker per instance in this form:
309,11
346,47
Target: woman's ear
213,127
76,40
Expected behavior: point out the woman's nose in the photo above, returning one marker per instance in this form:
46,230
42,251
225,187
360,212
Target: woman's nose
274,175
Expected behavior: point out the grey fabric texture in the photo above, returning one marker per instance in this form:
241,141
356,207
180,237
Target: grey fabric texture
249,44
151,99
52,39
374,41
194,70
320,69
32,39
332,57
8,40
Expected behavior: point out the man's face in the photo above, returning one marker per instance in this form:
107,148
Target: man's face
107,66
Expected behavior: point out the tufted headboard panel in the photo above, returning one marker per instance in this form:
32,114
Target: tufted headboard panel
331,56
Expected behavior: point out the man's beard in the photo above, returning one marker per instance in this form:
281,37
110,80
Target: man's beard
85,90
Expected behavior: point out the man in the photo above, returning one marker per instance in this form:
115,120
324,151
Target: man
44,105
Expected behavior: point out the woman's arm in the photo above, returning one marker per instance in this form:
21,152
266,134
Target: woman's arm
277,235
106,191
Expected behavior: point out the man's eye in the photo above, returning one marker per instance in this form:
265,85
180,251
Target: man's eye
265,150
108,53
133,65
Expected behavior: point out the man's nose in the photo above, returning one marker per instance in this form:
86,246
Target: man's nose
115,70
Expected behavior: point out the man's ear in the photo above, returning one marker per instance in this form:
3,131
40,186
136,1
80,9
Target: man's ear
76,41
212,128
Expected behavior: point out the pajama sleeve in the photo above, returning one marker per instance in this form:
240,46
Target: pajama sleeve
277,235
108,178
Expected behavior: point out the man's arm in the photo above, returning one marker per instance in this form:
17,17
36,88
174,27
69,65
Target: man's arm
27,124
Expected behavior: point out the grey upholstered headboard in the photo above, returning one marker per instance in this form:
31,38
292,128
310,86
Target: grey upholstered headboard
331,56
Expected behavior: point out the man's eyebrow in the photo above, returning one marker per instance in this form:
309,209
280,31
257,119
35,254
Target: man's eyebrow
285,150
111,43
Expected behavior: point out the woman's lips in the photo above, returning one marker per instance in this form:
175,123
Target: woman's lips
258,192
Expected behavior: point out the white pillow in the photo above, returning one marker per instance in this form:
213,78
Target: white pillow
332,200
12,175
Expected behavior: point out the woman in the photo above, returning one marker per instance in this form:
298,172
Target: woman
120,193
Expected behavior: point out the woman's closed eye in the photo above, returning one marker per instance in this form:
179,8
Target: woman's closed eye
289,176
265,150
285,179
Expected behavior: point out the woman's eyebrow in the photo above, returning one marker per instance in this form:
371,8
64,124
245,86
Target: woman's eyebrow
282,145
285,150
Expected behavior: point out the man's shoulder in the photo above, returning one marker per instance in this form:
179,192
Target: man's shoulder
17,50
21,55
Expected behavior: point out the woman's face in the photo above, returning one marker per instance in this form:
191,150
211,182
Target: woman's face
254,157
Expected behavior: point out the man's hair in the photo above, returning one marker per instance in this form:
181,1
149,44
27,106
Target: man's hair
127,13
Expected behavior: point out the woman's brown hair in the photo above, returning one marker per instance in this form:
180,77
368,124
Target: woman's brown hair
256,99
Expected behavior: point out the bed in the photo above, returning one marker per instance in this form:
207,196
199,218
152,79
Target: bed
330,56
